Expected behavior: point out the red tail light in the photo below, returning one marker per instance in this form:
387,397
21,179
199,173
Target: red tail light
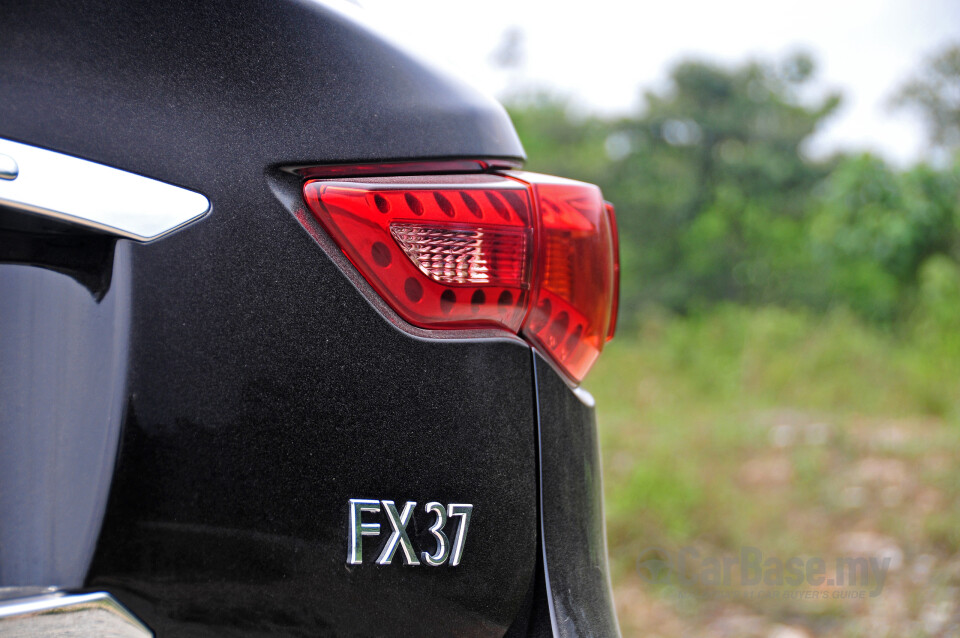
527,253
616,269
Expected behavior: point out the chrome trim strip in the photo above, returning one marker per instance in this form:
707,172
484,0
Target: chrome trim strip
94,195
97,614
8,167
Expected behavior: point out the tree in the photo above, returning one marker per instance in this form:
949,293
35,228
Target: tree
935,93
715,191
875,232
717,202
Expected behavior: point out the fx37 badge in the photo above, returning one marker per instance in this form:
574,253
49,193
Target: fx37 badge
399,539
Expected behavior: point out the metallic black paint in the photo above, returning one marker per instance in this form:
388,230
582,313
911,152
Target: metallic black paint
203,93
261,400
571,498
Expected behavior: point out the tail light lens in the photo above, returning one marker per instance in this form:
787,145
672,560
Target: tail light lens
527,253
444,252
612,214
571,314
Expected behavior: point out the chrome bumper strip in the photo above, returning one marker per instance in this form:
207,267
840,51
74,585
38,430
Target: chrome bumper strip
93,195
69,615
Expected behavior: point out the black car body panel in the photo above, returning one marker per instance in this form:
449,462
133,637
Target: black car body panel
573,534
253,445
246,380
202,94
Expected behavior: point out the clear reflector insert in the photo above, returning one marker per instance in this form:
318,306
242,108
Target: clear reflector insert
465,256
449,251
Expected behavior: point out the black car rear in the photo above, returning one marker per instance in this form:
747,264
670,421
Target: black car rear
187,422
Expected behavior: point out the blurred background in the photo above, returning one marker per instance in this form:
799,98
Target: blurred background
786,374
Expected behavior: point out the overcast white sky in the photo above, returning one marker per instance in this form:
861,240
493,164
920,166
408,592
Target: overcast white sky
603,52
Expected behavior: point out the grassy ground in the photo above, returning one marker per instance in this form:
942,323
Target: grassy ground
798,436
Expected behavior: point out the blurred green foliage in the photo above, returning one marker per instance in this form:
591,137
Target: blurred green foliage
935,93
763,427
718,202
787,367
